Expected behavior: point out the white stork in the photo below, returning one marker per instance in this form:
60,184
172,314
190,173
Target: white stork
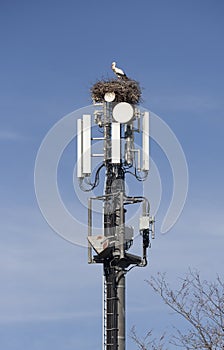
119,72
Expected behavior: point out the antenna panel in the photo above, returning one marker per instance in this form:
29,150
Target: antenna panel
116,143
145,142
86,145
79,148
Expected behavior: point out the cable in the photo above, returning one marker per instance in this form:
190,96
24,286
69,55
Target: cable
94,184
139,178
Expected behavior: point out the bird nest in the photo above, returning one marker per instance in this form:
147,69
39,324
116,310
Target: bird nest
125,90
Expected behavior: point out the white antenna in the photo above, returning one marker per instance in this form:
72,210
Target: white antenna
86,144
145,141
79,149
116,143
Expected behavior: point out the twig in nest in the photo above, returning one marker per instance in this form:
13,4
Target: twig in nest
125,90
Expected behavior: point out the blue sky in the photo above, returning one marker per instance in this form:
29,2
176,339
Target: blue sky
51,53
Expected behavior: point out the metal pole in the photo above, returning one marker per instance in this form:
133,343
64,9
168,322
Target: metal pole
111,310
115,309
114,220
121,280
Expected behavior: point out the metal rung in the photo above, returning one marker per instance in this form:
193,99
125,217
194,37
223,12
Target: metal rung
110,313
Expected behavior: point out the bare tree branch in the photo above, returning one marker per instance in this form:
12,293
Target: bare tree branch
201,304
148,342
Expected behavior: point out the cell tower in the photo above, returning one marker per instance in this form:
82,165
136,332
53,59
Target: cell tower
120,122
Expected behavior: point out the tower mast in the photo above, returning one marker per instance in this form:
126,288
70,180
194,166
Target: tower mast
119,119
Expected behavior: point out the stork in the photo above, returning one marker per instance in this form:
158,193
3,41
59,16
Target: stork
119,72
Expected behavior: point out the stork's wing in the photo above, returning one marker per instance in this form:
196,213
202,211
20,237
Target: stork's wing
119,71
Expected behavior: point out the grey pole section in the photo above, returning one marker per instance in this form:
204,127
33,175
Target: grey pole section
115,280
121,280
121,309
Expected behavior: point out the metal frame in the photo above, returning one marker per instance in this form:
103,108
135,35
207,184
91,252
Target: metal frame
111,248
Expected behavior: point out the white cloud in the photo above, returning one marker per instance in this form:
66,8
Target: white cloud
48,316
8,135
190,103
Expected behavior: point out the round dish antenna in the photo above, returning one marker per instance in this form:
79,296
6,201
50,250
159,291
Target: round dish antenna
123,112
109,96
